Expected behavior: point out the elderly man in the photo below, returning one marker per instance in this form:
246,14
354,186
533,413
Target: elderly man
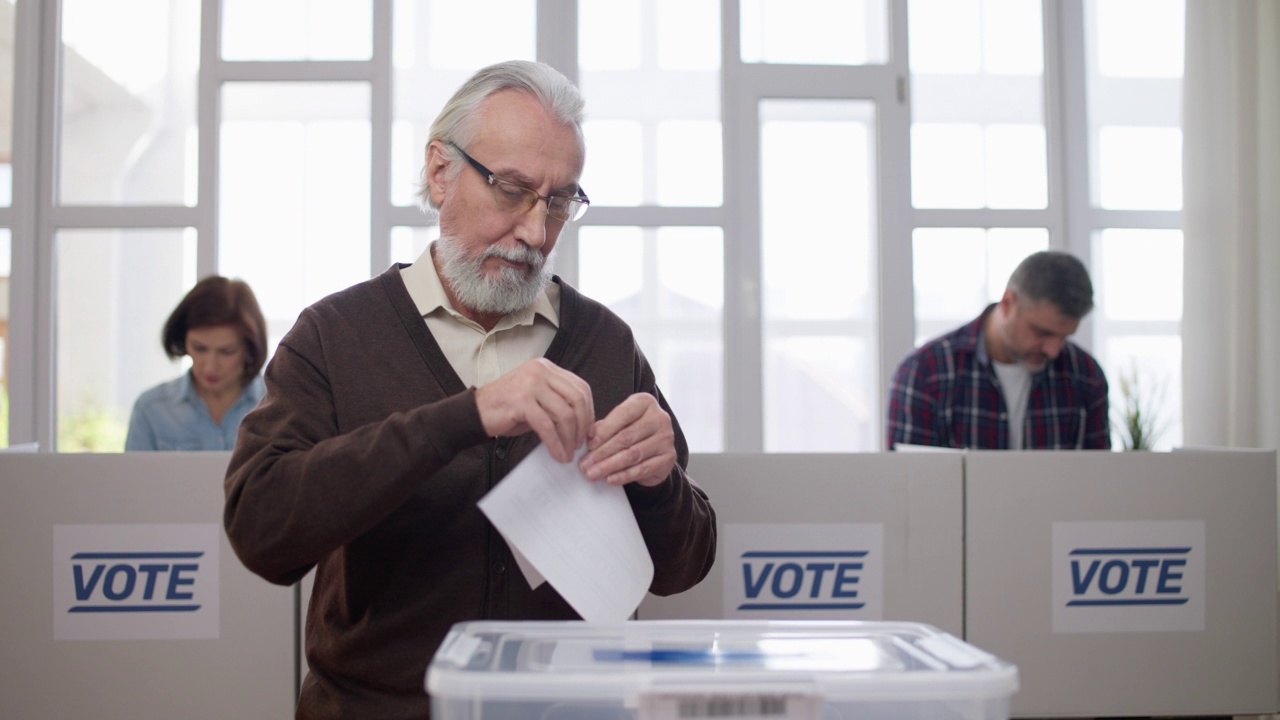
1010,379
396,404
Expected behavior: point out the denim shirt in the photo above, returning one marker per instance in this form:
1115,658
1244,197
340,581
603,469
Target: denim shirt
173,416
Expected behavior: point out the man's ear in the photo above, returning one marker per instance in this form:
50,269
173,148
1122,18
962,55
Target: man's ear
437,164
1008,302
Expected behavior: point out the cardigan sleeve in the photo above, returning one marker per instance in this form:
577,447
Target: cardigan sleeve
297,488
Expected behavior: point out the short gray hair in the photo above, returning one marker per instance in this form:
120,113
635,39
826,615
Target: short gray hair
1057,277
456,123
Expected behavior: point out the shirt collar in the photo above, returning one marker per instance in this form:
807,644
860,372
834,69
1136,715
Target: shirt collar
980,343
978,335
423,283
188,390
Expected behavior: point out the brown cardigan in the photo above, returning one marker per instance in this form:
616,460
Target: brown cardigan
365,460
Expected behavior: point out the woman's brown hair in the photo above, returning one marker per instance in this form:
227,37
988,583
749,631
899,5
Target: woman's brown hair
215,301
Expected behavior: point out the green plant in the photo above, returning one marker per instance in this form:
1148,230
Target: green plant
1141,419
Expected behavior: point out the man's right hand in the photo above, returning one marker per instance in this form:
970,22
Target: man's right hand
541,397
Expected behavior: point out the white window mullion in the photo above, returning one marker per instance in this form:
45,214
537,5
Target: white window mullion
1057,128
45,345
30,381
380,119
1099,219
208,112
743,344
1073,151
895,288
557,46
1071,116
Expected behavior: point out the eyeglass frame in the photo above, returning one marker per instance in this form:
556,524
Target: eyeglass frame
493,179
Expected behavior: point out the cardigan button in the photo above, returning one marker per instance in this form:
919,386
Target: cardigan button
499,567
501,452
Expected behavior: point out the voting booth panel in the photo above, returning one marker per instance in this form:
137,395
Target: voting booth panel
1126,583
829,537
123,597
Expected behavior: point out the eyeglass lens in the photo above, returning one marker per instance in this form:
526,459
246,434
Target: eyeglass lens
517,198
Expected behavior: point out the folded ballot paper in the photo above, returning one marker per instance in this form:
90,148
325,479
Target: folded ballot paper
578,535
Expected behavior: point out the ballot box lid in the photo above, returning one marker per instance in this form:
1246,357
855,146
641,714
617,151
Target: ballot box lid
622,667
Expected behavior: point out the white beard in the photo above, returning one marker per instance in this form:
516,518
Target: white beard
511,291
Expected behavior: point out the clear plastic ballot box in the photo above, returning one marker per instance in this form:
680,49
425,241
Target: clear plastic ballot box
727,669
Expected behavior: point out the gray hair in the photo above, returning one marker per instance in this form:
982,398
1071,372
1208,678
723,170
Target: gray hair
456,124
1057,277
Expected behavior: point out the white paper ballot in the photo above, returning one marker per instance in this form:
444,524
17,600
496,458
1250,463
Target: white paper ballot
578,534
526,568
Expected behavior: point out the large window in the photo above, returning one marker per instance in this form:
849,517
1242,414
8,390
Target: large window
652,247
818,244
1133,78
293,199
787,195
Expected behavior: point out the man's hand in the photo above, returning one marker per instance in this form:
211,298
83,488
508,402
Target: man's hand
634,443
541,397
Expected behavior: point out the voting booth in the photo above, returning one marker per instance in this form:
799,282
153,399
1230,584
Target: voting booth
1118,584
1126,584
830,537
123,598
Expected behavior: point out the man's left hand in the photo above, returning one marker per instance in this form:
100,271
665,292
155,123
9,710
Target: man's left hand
634,443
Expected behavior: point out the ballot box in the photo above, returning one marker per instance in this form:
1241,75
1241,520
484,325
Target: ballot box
123,597
1126,584
872,536
744,669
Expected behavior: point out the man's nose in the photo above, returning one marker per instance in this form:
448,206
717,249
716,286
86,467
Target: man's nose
531,225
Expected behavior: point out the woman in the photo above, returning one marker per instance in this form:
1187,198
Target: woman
221,327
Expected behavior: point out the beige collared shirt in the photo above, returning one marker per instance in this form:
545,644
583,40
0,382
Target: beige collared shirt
479,357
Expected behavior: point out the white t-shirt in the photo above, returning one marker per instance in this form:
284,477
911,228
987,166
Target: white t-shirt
1015,385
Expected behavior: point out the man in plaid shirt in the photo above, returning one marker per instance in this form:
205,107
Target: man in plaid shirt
1011,368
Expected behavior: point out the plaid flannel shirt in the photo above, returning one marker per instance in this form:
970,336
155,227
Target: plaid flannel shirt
946,394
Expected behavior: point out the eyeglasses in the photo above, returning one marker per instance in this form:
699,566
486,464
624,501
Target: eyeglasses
516,198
